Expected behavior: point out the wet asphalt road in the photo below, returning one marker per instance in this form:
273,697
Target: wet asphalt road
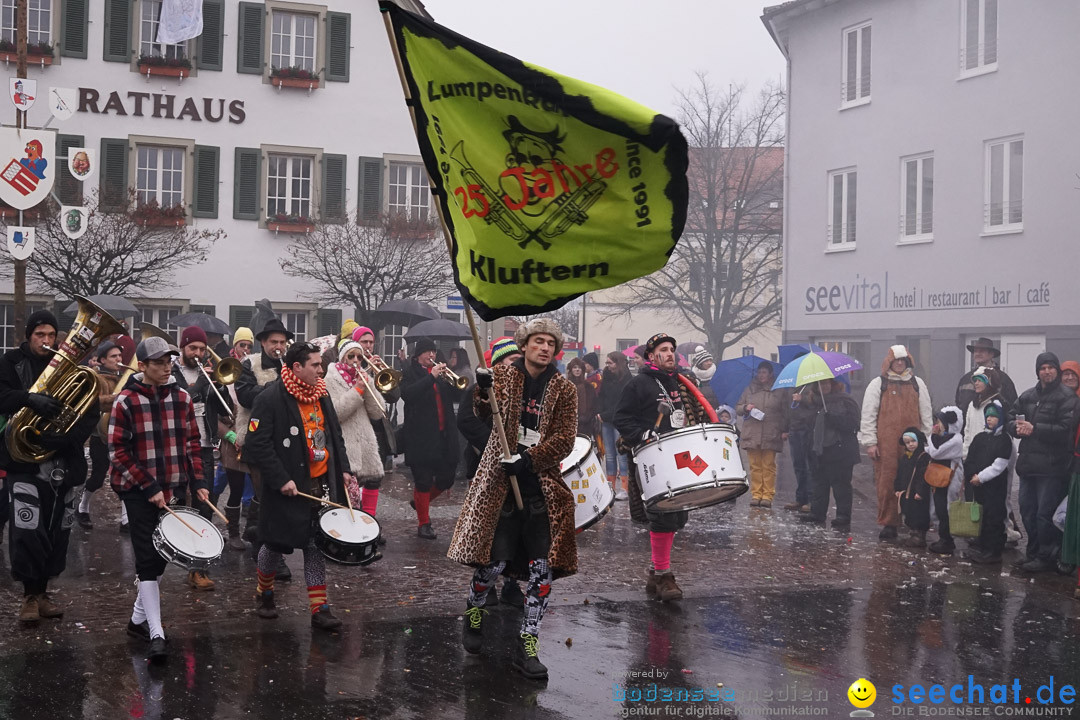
777,614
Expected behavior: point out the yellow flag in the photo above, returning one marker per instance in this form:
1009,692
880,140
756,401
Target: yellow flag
550,187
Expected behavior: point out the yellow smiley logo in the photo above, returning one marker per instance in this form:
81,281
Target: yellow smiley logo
862,693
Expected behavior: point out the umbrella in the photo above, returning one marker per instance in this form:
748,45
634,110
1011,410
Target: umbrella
209,323
631,352
787,353
689,348
439,329
325,342
404,312
734,375
115,305
815,367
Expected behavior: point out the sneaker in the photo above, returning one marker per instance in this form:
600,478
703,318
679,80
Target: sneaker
622,495
199,580
1061,567
47,609
158,650
425,531
942,547
666,589
324,619
83,518
650,584
754,502
916,539
472,633
124,529
512,595
887,533
28,614
264,605
140,631
526,658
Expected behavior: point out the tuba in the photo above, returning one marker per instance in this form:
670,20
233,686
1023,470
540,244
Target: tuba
74,386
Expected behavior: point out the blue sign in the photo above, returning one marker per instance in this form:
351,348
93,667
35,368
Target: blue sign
454,302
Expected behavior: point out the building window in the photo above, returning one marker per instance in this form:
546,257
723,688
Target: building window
292,41
408,191
9,337
288,186
296,323
978,36
842,190
855,86
159,176
917,198
623,344
38,22
393,338
1004,185
159,316
748,350
149,19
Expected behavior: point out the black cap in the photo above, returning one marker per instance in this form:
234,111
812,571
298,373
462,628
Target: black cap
274,326
40,317
656,340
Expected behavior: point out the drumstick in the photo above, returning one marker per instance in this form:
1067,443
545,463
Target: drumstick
348,499
183,521
317,499
216,511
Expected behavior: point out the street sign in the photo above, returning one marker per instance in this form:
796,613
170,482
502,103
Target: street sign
454,302
22,92
26,177
63,102
20,242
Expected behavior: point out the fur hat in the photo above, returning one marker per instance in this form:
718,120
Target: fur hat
539,326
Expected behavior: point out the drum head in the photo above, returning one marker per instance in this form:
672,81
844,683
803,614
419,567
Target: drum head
582,447
338,524
206,545
701,497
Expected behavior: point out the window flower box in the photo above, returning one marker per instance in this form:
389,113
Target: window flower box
294,77
151,215
289,227
161,221
36,53
164,67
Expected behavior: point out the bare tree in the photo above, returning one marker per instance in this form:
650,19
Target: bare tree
723,278
366,266
565,317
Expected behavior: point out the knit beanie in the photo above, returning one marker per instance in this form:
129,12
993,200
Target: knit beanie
192,333
360,331
243,334
501,348
345,346
347,329
994,409
40,317
699,356
592,359
422,346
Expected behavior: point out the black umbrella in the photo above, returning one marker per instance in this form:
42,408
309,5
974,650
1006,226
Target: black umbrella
209,323
115,305
404,312
439,330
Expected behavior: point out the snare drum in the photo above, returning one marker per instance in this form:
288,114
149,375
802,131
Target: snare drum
346,540
178,545
691,468
582,473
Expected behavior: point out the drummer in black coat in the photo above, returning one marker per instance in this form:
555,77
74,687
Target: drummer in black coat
294,439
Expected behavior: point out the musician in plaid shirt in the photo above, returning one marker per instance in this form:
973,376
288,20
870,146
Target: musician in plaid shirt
154,447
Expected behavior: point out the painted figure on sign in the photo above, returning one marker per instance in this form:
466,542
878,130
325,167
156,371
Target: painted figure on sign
34,162
21,99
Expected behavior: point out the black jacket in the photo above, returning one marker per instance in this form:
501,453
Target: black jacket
611,388
1049,449
839,419
282,455
911,475
201,392
639,405
247,387
19,369
475,430
425,446
986,447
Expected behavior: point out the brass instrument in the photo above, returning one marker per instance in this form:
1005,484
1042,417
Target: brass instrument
386,377
454,379
225,372
103,424
74,386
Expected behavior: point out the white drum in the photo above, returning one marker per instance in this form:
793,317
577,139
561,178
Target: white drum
583,474
691,468
180,546
348,538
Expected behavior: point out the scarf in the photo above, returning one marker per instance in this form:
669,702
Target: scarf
348,373
301,390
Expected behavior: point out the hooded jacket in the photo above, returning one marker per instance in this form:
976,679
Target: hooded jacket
948,448
1051,410
911,469
989,453
767,433
975,419
868,432
1075,367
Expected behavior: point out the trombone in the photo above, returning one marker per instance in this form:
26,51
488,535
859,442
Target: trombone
386,377
225,372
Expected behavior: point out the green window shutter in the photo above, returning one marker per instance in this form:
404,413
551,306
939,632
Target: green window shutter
338,37
74,26
113,193
208,309
249,46
329,322
333,188
207,167
240,316
246,182
212,40
68,189
118,30
369,200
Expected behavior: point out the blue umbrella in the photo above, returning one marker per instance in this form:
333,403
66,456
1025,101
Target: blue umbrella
733,376
787,353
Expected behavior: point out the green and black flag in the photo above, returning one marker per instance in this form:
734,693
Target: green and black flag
550,187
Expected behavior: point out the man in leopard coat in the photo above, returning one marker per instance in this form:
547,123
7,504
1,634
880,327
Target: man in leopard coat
539,413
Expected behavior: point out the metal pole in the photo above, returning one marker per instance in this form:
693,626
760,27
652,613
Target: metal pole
19,320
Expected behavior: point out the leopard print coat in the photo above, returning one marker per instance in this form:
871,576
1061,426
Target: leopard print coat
475,530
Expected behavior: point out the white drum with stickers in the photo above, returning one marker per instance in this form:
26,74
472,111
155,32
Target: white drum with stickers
583,474
193,546
691,468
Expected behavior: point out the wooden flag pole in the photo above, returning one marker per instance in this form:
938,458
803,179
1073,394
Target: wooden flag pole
496,416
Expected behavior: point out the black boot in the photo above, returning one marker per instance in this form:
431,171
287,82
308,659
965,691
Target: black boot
526,658
472,634
512,595
251,530
232,514
264,605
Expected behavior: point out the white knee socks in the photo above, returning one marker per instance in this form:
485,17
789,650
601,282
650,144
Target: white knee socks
148,606
84,504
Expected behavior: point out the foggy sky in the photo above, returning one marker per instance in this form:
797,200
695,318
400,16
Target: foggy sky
643,50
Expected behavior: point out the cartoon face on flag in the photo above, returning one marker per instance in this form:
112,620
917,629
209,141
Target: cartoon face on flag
22,92
63,102
20,241
26,166
73,221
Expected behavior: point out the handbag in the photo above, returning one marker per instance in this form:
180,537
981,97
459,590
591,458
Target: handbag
965,518
938,476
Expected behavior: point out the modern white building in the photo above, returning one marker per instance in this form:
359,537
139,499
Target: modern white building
226,141
931,193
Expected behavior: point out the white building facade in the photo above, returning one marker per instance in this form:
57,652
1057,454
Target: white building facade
931,194
236,147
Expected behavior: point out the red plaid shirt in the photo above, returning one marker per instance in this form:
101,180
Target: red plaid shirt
154,440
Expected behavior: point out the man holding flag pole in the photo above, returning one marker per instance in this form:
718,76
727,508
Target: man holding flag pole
542,181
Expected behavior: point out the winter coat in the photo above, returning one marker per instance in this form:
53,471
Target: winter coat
911,473
475,529
259,370
948,449
201,392
764,434
610,391
839,421
425,444
639,406
587,402
801,417
1052,409
988,456
475,431
975,420
965,389
276,445
355,411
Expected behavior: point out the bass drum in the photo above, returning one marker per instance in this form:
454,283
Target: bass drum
583,474
691,468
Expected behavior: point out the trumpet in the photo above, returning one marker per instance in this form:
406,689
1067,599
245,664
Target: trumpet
386,377
454,379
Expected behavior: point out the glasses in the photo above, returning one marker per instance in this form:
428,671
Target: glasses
244,345
310,346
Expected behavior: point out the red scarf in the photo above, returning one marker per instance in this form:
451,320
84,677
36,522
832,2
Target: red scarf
301,390
348,373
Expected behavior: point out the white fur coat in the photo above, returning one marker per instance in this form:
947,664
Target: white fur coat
355,412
